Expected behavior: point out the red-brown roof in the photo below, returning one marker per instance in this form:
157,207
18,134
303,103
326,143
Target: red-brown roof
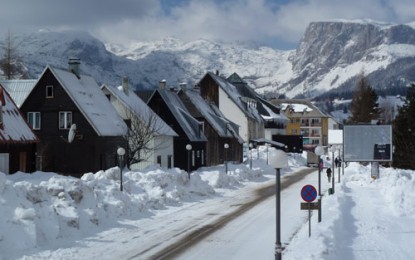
14,128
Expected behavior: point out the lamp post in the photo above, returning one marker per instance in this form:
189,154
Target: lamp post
226,146
250,155
121,153
332,150
188,148
278,160
339,164
267,145
319,151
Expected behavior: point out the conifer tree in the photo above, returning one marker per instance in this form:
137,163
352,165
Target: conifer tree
404,133
364,107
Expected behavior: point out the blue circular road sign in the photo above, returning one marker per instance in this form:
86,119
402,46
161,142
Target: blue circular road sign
308,193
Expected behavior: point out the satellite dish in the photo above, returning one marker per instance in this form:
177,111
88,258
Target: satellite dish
71,133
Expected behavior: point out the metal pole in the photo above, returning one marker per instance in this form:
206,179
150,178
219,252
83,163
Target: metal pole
188,163
120,157
309,220
339,172
320,166
250,161
278,248
226,161
332,166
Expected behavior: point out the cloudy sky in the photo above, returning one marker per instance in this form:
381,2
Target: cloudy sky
276,23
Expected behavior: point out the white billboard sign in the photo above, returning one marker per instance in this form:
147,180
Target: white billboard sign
335,136
367,143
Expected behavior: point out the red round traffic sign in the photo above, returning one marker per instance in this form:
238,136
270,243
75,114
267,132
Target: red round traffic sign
308,193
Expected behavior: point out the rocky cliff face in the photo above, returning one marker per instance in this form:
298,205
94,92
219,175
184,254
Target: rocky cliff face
332,54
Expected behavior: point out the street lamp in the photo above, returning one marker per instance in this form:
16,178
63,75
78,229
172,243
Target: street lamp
188,148
332,150
121,153
250,155
267,145
278,160
319,151
226,146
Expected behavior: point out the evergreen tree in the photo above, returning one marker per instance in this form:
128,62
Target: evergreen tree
364,107
404,133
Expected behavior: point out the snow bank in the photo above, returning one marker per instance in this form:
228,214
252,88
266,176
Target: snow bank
359,208
41,208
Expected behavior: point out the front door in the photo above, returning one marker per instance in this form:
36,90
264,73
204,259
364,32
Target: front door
22,162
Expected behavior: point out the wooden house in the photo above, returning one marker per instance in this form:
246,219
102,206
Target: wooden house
218,130
151,139
17,140
62,100
259,120
275,123
167,104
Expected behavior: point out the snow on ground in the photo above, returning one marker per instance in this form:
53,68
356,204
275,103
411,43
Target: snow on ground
48,216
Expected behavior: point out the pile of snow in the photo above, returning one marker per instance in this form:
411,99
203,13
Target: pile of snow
365,219
40,208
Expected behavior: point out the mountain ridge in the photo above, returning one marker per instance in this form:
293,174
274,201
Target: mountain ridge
329,58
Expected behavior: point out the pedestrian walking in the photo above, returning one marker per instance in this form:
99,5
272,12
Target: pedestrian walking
328,174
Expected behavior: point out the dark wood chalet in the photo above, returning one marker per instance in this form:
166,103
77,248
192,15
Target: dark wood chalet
170,108
17,140
63,100
218,130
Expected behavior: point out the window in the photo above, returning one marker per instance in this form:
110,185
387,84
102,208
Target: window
49,91
203,157
159,159
294,131
65,120
169,161
193,158
33,119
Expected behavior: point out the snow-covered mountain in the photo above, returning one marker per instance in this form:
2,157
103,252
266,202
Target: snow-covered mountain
329,58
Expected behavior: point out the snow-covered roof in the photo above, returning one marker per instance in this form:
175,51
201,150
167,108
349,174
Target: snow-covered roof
297,108
91,101
140,109
214,116
278,117
14,128
189,124
234,95
18,89
268,111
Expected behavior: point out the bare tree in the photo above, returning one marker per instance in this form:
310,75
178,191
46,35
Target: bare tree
142,134
10,63
387,111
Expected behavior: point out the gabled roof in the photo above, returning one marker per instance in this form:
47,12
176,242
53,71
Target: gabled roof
189,124
213,115
140,109
91,101
299,107
14,128
268,111
19,89
234,95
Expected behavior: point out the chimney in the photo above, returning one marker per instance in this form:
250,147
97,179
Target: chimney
182,85
74,64
162,84
125,85
217,73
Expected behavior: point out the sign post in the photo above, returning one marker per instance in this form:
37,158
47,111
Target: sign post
309,194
